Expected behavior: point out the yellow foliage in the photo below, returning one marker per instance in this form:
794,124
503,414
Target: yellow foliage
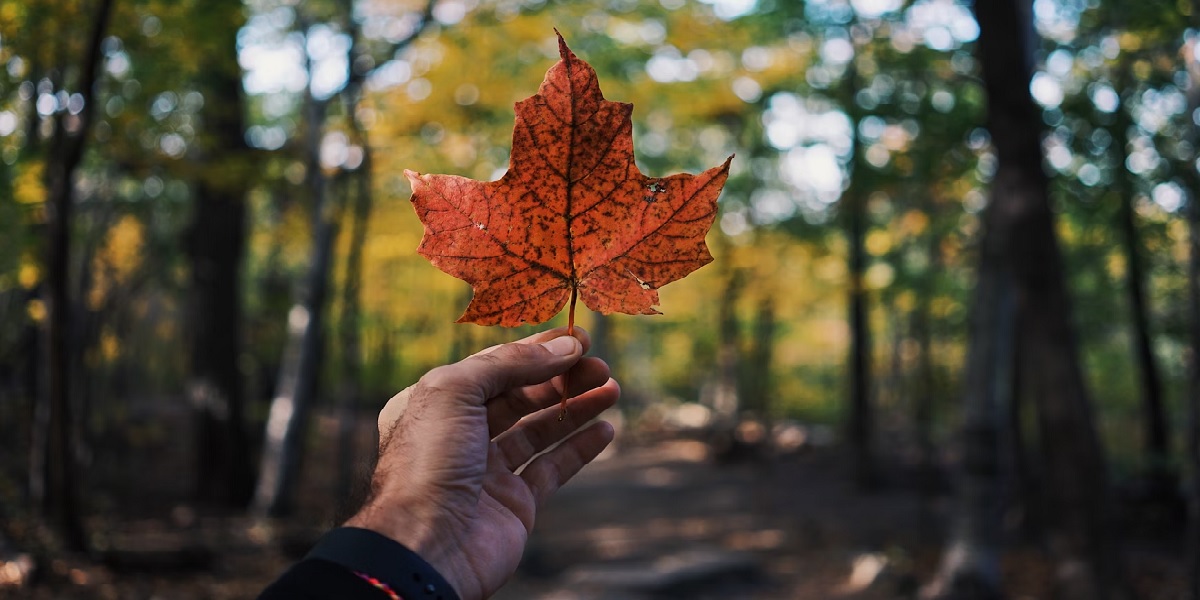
117,259
879,276
36,310
942,307
914,223
110,346
878,242
29,275
1068,232
28,186
10,12
1116,265
1129,41
831,268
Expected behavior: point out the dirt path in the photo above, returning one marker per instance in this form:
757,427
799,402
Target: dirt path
663,520
656,520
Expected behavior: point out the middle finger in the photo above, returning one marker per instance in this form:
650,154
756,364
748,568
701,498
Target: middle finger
508,408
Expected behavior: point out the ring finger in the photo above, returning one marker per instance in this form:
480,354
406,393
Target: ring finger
542,429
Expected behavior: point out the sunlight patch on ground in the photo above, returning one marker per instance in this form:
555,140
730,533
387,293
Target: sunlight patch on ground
764,539
864,572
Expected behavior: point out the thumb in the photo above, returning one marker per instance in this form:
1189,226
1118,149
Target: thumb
507,367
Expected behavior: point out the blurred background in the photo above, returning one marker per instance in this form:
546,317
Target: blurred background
943,350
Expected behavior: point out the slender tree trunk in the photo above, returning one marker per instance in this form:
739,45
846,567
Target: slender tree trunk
40,431
970,568
894,395
727,397
1155,433
1025,494
860,426
1193,420
215,387
296,389
86,322
762,351
923,402
1193,408
1193,402
275,292
297,385
216,247
925,389
70,140
1089,564
350,323
861,421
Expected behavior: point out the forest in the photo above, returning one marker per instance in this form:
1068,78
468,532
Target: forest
949,346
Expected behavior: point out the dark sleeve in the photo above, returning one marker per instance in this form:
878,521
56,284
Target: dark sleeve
316,579
332,571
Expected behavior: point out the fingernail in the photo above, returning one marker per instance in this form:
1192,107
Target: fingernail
562,346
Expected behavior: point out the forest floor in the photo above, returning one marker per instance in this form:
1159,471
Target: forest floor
658,518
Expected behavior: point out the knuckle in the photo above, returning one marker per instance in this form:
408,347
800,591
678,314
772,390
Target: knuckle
520,353
393,411
502,361
448,379
436,378
438,382
496,358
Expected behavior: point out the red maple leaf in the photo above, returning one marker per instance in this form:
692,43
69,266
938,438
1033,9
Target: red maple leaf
572,216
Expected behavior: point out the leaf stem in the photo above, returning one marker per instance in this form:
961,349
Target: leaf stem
562,411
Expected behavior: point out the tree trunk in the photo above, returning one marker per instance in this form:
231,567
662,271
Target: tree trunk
351,344
920,324
1155,436
726,396
40,428
296,389
1025,493
762,350
216,247
1193,402
861,419
1193,408
970,568
299,368
860,422
923,401
359,185
70,140
298,374
215,386
1089,566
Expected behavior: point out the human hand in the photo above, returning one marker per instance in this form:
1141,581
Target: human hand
447,484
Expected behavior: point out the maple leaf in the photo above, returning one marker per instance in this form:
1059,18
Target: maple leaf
573,215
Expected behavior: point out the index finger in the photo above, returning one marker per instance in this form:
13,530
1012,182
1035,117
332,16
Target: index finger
481,377
581,334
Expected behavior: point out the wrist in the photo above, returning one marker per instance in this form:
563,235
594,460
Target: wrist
415,531
383,563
